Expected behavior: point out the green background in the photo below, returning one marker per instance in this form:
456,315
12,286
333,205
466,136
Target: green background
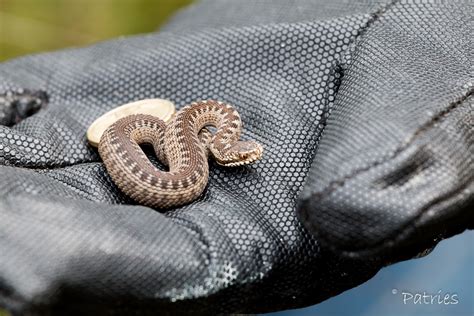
31,26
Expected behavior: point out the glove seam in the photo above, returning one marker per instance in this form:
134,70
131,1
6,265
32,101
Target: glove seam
399,234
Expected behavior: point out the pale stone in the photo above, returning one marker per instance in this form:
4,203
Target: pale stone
161,108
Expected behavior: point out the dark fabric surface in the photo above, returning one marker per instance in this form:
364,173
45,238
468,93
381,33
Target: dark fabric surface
365,115
395,167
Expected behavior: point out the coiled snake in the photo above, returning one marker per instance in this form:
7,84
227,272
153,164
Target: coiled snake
183,145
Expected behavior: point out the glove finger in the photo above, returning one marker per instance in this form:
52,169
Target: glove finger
394,170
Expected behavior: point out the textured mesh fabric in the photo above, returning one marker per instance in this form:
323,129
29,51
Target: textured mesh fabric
374,93
395,168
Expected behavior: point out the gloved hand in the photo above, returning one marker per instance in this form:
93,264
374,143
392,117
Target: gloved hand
363,112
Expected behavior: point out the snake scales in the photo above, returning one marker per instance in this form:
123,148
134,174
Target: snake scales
183,144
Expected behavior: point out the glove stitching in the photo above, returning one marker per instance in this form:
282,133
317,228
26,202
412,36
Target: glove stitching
401,233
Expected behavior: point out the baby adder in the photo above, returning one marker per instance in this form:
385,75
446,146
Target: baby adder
183,145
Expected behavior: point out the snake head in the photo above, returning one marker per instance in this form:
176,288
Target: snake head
241,153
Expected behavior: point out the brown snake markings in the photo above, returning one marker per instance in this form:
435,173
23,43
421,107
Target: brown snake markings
183,144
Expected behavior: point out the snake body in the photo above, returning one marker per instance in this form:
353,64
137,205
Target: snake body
183,144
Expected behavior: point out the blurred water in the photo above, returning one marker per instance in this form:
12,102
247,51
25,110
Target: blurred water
449,269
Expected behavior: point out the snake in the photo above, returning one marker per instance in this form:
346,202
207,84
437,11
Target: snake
183,144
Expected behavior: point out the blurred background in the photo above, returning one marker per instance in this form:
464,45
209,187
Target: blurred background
31,26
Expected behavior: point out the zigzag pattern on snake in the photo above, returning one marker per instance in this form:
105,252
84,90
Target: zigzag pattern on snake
183,144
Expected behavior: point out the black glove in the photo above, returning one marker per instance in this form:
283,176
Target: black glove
394,172
67,244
